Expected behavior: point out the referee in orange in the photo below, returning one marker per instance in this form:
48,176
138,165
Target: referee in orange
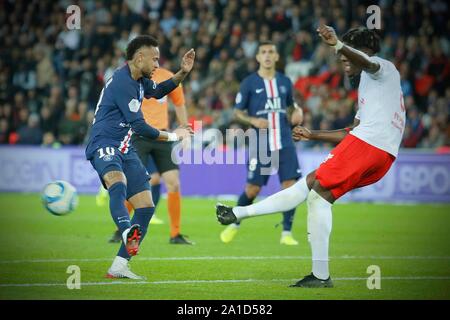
156,155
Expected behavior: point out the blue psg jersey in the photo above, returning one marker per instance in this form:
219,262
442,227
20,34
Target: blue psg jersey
119,108
269,99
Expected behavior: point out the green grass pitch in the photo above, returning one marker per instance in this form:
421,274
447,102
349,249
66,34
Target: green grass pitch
409,243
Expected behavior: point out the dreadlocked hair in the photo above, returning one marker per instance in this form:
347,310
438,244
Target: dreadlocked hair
360,38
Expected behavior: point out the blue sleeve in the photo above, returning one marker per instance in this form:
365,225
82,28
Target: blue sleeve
126,100
243,96
141,128
154,90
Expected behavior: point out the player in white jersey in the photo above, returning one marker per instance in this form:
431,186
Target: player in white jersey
363,156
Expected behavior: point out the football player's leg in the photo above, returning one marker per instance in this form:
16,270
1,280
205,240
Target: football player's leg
289,172
109,167
288,220
319,229
155,181
172,180
284,200
144,209
116,184
249,195
139,195
255,180
170,174
155,184
143,204
319,224
339,173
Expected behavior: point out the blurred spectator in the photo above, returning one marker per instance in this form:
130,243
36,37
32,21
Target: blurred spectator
4,131
57,74
414,129
30,133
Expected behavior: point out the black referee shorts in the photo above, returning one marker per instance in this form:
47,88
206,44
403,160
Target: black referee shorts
158,151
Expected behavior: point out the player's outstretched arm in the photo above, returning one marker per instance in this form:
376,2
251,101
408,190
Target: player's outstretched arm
356,57
300,133
180,133
141,128
187,62
153,90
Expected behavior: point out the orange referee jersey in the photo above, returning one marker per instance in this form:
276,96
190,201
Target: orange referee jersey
156,111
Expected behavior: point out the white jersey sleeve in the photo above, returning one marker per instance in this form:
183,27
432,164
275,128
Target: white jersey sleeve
381,110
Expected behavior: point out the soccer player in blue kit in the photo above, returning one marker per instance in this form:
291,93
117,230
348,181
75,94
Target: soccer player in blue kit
118,115
265,101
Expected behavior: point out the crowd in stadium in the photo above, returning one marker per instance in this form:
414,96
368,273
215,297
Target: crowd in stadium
51,77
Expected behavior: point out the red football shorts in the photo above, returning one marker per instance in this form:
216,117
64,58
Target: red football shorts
353,164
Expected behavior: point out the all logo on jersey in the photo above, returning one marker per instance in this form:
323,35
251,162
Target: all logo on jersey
273,104
258,91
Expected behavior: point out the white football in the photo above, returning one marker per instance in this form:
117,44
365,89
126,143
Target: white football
60,197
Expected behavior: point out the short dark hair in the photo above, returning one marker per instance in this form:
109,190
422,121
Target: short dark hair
139,42
362,37
266,43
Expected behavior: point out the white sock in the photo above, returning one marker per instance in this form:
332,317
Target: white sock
284,200
119,262
319,229
285,233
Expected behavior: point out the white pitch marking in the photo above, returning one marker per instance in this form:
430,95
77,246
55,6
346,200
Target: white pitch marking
130,282
345,257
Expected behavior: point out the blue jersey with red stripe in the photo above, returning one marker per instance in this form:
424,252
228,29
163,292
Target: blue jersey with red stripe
269,99
118,113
